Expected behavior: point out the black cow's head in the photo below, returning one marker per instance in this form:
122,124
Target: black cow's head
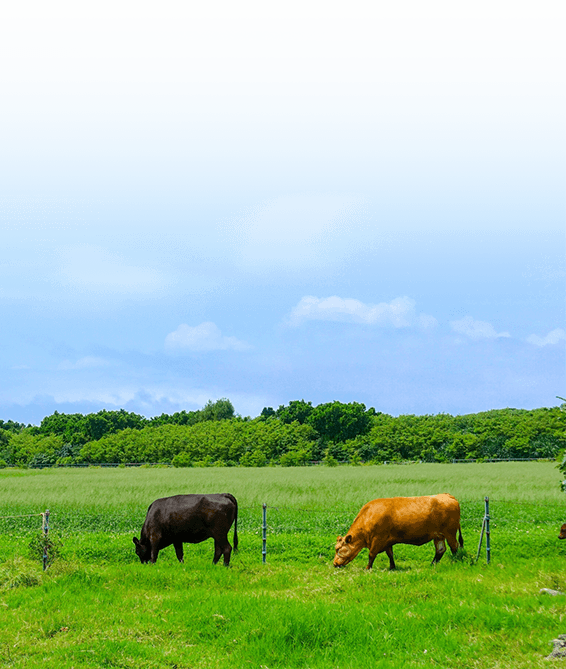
142,551
562,534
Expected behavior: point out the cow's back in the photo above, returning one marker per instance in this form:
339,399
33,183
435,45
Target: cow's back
409,516
187,515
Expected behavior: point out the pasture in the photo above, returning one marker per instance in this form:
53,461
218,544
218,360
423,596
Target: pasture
97,606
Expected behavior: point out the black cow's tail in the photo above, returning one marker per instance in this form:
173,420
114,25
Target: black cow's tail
460,537
235,520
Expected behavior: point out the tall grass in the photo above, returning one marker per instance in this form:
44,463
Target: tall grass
301,498
310,486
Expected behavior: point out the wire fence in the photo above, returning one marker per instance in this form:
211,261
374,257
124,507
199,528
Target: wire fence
44,530
270,521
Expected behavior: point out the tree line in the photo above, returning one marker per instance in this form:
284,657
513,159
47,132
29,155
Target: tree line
293,434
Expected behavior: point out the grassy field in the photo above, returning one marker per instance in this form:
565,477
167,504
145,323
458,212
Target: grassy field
97,606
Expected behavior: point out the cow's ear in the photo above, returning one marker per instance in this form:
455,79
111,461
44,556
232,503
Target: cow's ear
137,543
349,538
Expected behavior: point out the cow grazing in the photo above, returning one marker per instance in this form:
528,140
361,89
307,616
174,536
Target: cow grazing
189,519
402,520
562,534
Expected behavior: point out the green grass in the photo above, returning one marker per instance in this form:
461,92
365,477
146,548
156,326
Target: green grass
99,607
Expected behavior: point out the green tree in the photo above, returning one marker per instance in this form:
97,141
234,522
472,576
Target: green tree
27,448
222,409
339,422
297,410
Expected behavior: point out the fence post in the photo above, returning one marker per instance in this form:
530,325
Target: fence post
485,529
264,533
487,532
45,537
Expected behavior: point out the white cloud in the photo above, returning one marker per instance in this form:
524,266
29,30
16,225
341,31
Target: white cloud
204,337
553,337
474,329
399,313
94,268
293,232
88,362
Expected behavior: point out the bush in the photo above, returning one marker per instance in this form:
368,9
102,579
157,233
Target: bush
40,460
295,457
330,460
254,458
39,542
182,460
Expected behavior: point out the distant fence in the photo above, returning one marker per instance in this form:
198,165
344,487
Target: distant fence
505,460
310,463
91,464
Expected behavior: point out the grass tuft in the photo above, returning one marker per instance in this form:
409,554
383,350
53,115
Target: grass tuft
19,572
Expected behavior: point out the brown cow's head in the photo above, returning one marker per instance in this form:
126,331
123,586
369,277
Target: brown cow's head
345,551
142,551
562,534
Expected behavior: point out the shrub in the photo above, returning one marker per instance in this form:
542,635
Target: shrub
40,541
330,460
254,458
295,457
182,460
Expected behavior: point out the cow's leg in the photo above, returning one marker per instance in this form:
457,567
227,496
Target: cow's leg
179,550
440,550
451,540
154,552
217,552
372,557
227,551
389,553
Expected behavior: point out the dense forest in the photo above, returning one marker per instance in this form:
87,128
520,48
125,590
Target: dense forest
293,434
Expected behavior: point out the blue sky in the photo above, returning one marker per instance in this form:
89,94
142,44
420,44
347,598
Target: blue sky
314,201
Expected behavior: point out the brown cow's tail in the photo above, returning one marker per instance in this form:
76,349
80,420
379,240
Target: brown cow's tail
235,520
460,537
236,527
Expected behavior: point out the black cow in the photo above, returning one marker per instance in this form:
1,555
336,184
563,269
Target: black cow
189,519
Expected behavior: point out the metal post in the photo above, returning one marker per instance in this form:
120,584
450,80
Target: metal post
487,532
45,536
264,532
481,539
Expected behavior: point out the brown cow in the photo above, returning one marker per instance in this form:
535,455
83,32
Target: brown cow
402,520
562,534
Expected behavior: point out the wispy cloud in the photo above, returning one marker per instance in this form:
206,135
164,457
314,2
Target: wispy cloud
294,232
398,313
553,337
204,337
93,268
473,329
88,362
